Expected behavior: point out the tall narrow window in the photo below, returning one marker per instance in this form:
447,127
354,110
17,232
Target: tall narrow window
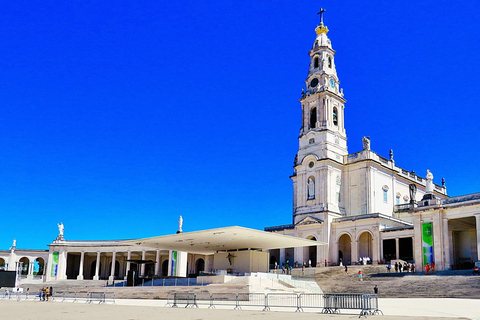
315,62
313,118
335,116
385,196
329,62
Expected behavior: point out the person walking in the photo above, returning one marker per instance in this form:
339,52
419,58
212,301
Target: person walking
346,269
375,289
360,275
396,266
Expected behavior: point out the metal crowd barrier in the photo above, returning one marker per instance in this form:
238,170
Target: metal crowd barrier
96,297
329,303
367,303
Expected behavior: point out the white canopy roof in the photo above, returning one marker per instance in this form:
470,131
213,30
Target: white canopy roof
229,238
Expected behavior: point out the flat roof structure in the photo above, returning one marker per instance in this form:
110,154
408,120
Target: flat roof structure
223,239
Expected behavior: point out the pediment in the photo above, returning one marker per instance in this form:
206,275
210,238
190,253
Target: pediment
309,220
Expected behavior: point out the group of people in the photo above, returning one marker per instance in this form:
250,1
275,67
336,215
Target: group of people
406,267
430,267
45,293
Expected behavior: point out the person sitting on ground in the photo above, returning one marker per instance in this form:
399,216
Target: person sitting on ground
389,266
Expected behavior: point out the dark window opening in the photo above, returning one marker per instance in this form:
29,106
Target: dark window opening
315,63
313,118
329,62
335,116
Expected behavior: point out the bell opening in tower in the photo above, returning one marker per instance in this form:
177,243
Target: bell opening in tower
313,118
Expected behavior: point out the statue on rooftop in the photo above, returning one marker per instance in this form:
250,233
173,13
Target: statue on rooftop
413,191
14,243
60,229
429,185
366,143
180,225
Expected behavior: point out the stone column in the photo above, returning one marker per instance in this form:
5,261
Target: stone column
418,243
157,264
437,241
62,265
446,244
47,267
477,219
80,271
381,249
282,256
297,256
30,270
354,251
129,256
112,269
142,269
97,267
397,248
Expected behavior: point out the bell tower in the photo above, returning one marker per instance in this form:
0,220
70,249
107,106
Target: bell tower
318,166
323,127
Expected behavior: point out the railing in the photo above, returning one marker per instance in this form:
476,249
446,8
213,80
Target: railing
329,303
61,296
165,282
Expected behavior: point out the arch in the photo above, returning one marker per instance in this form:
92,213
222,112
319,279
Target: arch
313,118
38,266
365,244
165,268
335,116
315,62
199,266
315,44
329,62
26,265
345,248
312,252
309,157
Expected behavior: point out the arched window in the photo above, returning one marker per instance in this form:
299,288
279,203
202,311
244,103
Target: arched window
329,62
315,45
335,116
315,62
313,118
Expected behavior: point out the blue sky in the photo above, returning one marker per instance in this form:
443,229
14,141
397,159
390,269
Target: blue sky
117,117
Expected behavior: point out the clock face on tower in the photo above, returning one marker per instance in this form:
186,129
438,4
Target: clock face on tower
332,83
314,82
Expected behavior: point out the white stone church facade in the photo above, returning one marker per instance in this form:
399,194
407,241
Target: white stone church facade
361,204
358,204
